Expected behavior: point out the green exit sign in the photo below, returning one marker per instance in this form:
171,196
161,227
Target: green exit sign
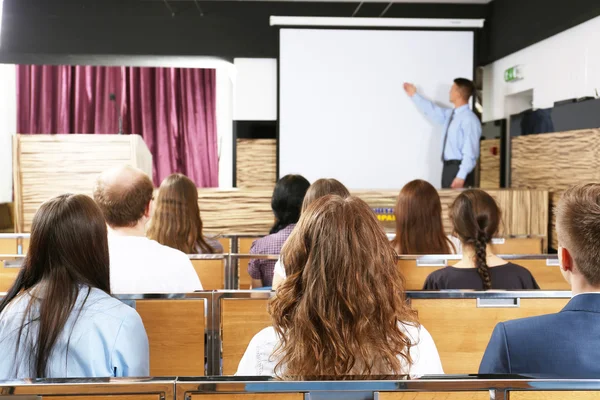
513,74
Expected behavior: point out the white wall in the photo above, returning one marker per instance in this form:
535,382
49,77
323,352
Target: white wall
224,111
255,92
562,67
8,126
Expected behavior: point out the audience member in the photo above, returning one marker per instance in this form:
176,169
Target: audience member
58,320
286,202
138,264
176,219
342,309
319,188
476,219
419,228
564,344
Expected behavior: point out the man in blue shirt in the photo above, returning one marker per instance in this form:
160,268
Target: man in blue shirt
462,131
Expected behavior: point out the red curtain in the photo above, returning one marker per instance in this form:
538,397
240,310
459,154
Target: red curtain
173,109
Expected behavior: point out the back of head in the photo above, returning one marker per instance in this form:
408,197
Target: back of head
176,221
466,87
324,187
68,248
123,194
419,227
287,200
476,219
338,311
578,228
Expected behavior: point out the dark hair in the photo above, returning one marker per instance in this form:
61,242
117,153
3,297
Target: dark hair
323,187
578,228
476,219
287,200
68,250
419,228
466,86
176,221
123,196
339,310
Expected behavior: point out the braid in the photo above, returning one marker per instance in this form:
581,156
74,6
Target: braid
481,261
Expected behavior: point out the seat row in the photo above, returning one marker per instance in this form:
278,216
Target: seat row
350,388
214,278
219,272
206,333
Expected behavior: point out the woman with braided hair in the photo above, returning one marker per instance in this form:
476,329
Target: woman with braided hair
476,219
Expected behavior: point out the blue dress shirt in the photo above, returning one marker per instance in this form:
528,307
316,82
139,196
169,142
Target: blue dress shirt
104,338
463,129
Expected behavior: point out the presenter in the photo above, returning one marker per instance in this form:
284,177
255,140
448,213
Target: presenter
462,131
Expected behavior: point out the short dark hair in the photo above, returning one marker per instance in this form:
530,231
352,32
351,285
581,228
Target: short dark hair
124,196
578,228
466,86
287,200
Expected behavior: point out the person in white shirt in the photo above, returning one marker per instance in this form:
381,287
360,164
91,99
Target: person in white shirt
138,264
342,309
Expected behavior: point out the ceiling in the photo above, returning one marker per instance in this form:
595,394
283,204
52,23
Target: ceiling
373,1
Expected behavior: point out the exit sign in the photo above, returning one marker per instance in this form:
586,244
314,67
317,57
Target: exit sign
513,74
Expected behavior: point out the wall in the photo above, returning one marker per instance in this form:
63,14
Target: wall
8,126
562,67
224,28
513,25
255,96
224,111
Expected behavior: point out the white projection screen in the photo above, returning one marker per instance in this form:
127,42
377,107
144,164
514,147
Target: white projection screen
343,112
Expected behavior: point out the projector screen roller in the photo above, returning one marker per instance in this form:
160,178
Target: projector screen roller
344,113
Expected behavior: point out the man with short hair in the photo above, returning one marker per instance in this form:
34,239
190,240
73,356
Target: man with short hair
565,344
138,264
462,131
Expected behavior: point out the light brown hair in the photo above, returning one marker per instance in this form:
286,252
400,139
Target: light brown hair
338,312
476,219
578,228
323,187
176,221
419,228
68,253
123,194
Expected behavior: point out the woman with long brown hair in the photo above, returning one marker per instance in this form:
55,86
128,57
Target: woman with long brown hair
342,309
59,320
419,228
176,221
476,220
319,188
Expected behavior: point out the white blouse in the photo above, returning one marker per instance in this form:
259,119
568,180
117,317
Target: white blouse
257,359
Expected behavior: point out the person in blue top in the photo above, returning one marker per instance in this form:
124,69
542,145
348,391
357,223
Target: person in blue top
461,134
59,320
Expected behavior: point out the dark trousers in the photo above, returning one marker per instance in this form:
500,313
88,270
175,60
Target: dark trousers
451,170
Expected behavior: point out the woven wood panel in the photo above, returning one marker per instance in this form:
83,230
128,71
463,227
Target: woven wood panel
256,163
48,165
525,212
554,162
489,170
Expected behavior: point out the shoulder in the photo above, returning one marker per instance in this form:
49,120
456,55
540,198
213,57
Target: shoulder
167,252
516,269
99,302
258,357
524,327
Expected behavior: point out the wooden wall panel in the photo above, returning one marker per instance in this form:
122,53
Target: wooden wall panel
554,162
525,212
256,163
48,165
489,170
